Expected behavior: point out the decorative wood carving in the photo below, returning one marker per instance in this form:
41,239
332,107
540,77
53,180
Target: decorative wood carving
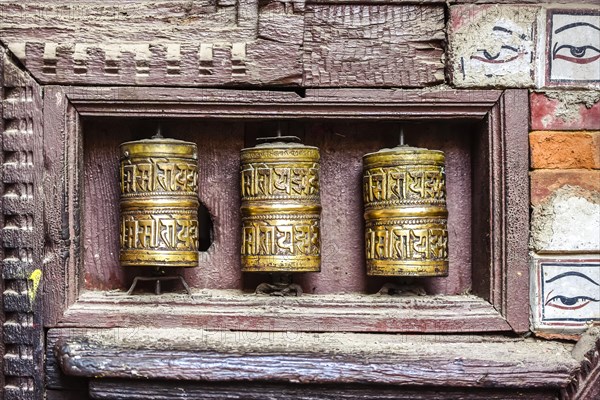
61,185
228,42
21,231
203,43
312,43
373,45
585,385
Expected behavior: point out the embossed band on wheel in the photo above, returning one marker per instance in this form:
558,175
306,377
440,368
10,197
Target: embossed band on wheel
407,268
280,181
281,264
137,258
283,242
154,236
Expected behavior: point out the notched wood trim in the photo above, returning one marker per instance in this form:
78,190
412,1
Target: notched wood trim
21,250
229,43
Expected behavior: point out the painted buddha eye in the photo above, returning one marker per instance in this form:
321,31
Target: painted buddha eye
506,54
577,43
576,54
570,303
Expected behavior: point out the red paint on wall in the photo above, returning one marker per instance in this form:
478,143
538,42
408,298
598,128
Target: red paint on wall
546,115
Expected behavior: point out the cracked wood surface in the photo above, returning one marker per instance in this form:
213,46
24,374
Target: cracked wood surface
194,354
141,390
227,43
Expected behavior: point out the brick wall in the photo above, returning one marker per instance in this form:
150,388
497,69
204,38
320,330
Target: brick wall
552,50
565,204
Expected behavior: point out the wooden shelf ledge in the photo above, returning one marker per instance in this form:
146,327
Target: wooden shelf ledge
315,358
235,310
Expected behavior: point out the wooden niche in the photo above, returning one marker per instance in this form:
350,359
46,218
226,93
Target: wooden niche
484,136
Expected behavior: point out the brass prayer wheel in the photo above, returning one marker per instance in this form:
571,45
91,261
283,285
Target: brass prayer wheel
404,195
159,203
281,207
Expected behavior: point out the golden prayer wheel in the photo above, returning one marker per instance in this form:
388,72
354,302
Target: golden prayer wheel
404,193
159,203
281,207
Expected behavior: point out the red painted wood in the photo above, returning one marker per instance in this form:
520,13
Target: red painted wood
386,104
62,204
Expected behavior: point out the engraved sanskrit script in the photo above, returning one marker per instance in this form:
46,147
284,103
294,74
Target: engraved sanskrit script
164,232
158,175
401,243
267,180
404,183
269,238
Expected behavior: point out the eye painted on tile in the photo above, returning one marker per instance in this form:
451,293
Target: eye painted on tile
570,303
506,53
581,53
565,302
576,54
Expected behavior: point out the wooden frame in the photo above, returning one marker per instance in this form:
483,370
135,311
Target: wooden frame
501,274
261,44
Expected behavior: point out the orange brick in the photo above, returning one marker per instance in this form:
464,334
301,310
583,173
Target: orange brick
551,149
545,181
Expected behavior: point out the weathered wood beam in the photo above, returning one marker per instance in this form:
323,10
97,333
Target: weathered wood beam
318,358
141,390
585,384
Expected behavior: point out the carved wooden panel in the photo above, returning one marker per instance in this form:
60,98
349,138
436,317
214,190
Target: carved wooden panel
585,384
160,43
21,230
373,45
227,42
